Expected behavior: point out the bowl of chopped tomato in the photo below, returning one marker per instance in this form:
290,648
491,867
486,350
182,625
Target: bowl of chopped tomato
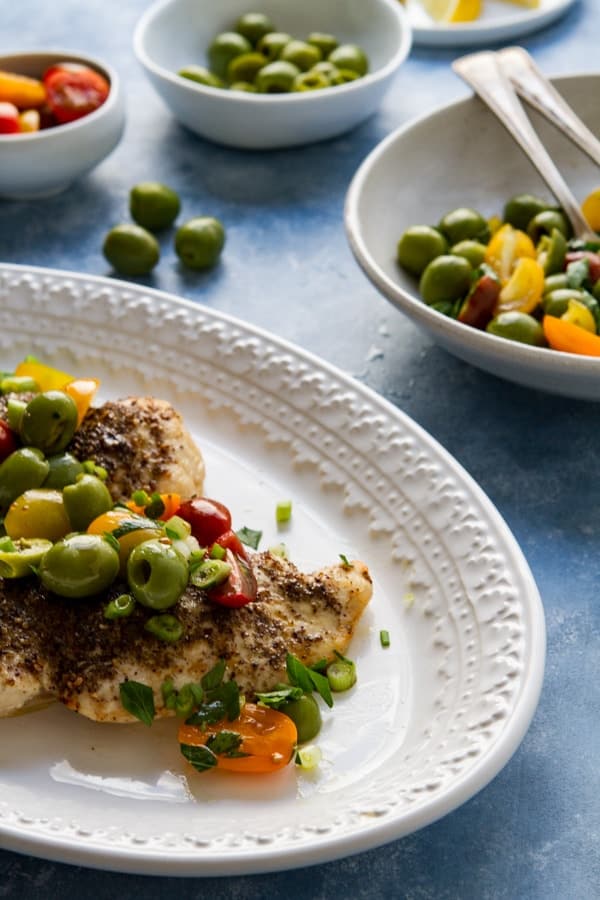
61,114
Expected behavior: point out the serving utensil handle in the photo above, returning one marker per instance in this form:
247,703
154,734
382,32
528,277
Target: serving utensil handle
538,91
483,72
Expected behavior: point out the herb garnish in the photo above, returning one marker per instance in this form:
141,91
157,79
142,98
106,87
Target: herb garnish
138,699
346,564
307,679
249,537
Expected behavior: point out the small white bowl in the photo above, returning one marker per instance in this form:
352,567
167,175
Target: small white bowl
176,33
460,155
43,163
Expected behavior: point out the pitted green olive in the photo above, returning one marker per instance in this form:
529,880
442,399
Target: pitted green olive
49,421
23,469
157,574
445,278
418,246
518,326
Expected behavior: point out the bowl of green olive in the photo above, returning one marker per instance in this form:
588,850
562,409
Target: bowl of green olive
277,75
454,226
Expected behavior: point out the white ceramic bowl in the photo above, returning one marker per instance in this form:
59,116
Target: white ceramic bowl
176,33
46,162
461,156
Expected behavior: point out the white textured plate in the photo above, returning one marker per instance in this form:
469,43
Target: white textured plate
430,166
432,719
498,22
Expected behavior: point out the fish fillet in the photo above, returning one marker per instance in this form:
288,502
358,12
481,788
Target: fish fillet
66,649
143,443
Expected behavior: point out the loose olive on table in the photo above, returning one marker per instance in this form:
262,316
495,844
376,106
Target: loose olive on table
507,275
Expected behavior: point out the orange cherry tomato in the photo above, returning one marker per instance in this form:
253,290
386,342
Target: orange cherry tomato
47,377
23,91
82,391
563,335
268,737
121,518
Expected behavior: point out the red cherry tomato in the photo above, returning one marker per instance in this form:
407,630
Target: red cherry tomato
7,440
240,588
230,541
74,91
208,519
9,119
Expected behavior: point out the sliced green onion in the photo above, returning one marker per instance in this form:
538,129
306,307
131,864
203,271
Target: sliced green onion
16,384
217,552
140,498
120,607
341,675
346,564
177,528
210,573
7,544
279,550
165,627
384,637
308,757
283,512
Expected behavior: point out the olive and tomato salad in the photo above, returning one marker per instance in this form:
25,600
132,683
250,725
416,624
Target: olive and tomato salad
67,91
521,276
254,56
59,524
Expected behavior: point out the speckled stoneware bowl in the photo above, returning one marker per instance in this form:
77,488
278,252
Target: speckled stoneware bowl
46,162
176,33
461,156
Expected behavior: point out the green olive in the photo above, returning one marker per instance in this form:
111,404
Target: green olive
85,500
311,81
555,303
350,56
63,470
545,223
521,209
153,205
24,469
18,560
418,246
80,565
552,252
201,75
518,326
301,54
243,86
253,26
555,282
272,44
464,224
277,77
344,76
49,421
305,714
246,66
157,574
225,47
445,278
326,43
473,252
199,242
327,69
131,250
38,513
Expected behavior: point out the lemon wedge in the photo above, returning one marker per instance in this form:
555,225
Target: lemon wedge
448,11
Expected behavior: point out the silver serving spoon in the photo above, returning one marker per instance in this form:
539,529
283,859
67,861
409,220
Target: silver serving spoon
486,75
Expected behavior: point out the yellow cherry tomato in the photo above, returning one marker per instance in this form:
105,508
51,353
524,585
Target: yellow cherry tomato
578,314
591,209
523,291
128,528
506,247
48,378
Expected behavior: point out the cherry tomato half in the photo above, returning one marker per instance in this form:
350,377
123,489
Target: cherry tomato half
7,440
9,119
268,737
240,587
209,519
74,91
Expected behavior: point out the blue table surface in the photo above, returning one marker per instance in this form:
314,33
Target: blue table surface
534,832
